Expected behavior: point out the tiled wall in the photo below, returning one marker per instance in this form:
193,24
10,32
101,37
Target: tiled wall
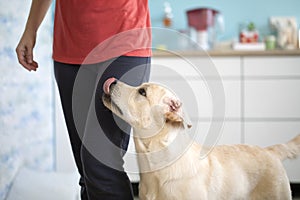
26,98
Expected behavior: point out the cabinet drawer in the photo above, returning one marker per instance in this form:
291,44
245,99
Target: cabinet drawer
186,66
274,66
230,134
226,67
172,67
205,102
272,99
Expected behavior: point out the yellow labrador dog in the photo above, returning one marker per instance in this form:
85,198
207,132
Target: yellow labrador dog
171,171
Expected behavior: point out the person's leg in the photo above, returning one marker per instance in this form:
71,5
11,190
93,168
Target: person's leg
65,75
106,140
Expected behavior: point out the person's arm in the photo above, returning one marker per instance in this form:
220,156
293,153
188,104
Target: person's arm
25,47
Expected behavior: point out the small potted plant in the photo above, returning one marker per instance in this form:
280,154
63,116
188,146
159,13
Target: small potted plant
249,34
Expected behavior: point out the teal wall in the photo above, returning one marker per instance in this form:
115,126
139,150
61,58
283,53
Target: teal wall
235,12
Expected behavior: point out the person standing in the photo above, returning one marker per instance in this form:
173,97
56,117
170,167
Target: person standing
93,41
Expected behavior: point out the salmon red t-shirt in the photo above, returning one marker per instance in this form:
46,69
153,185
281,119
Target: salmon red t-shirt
115,27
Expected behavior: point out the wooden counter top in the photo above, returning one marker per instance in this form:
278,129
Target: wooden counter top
224,53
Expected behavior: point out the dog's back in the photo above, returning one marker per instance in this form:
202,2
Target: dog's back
253,171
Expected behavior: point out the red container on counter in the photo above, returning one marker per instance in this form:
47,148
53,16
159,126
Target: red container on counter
201,18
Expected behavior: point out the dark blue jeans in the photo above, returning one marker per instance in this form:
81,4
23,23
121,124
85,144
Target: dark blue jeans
98,138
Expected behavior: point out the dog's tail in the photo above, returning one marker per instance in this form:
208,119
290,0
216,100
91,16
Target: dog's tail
288,150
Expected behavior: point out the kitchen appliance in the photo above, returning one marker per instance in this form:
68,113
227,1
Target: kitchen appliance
204,26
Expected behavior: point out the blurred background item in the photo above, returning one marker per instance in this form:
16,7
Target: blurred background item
249,34
286,29
270,41
204,26
168,15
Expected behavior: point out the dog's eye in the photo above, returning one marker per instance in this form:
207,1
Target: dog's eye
142,92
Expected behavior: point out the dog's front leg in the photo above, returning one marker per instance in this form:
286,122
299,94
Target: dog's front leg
147,196
147,191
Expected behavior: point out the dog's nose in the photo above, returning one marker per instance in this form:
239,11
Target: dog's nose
108,83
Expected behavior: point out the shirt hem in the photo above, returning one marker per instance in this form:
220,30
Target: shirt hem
79,61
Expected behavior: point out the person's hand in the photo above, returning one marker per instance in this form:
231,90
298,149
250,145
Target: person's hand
25,51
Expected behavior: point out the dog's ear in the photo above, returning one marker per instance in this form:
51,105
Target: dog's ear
175,114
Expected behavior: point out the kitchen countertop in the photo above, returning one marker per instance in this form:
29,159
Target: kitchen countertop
224,53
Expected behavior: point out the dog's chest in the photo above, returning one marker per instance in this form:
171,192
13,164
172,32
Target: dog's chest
183,189
172,182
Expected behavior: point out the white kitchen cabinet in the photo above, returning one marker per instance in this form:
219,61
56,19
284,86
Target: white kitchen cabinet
277,67
231,133
272,87
271,112
272,98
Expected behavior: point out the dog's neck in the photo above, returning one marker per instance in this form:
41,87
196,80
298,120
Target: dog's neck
162,148
156,138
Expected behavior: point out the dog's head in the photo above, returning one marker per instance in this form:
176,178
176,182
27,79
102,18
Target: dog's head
149,106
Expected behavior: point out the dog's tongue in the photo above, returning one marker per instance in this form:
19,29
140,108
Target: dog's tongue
107,84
